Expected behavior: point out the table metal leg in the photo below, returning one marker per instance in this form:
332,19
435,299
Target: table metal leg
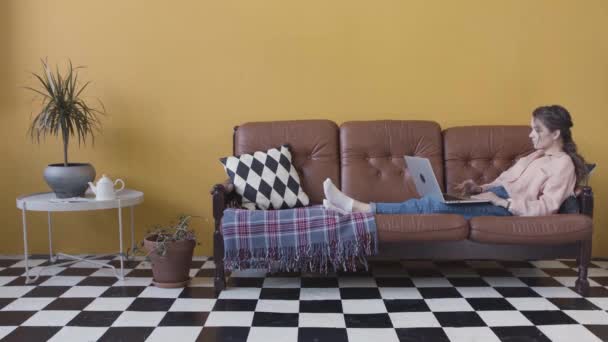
122,255
133,243
51,258
28,280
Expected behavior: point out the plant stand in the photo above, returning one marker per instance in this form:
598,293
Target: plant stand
50,203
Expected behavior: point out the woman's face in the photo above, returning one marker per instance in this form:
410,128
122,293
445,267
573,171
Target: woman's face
542,138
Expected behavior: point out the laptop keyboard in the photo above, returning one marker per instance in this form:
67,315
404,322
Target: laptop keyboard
448,197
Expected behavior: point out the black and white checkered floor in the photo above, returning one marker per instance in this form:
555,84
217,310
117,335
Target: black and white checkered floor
394,301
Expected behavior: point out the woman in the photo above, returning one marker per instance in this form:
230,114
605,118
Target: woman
536,185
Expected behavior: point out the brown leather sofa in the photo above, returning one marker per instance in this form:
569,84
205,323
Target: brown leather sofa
366,159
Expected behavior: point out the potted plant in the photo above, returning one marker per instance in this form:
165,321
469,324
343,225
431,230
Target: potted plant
64,113
170,251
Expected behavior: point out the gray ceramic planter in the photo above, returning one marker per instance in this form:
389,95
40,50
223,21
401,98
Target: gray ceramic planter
69,181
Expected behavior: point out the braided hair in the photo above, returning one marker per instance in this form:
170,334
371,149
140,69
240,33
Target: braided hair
556,117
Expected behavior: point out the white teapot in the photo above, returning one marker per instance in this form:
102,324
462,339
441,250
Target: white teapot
104,190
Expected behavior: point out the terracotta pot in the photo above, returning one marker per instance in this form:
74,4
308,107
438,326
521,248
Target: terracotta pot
173,269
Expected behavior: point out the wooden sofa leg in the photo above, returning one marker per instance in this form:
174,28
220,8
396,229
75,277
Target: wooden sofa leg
218,257
584,257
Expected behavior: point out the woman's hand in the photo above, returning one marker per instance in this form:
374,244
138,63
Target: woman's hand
468,187
501,202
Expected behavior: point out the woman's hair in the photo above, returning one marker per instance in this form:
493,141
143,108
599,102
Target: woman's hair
556,117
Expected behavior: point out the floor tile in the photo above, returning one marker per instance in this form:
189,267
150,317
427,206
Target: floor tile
31,334
357,282
368,321
478,292
321,320
504,318
422,334
431,282
240,293
540,281
523,334
548,317
63,281
504,281
47,291
568,333
394,282
600,331
400,293
280,293
573,304
413,320
69,304
319,282
448,304
459,319
110,304
229,319
189,304
14,318
187,318
556,292
439,292
279,282
95,318
51,318
275,319
138,319
532,304
198,292
359,293
98,281
588,316
406,305
150,304
265,334
6,301
235,305
278,306
320,306
516,292
468,282
319,293
361,306
322,335
163,334
83,272
471,334
78,334
157,292
365,335
84,291
490,304
131,334
28,304
223,334
123,291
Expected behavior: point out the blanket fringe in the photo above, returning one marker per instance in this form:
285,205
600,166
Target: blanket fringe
316,257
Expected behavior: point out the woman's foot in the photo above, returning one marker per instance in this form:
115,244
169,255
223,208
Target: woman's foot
336,197
330,206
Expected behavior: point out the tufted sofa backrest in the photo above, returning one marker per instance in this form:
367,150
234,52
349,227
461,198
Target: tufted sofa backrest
371,157
482,153
313,145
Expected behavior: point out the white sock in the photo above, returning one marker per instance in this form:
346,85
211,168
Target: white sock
336,197
330,206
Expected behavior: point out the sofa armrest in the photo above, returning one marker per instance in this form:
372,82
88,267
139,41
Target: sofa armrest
584,195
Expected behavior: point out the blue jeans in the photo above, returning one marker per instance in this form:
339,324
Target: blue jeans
427,205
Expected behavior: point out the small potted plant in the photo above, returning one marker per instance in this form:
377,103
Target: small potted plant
170,251
64,113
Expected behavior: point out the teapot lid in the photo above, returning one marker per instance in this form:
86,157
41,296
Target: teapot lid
104,179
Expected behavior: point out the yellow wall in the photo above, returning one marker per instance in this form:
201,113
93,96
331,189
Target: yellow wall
176,76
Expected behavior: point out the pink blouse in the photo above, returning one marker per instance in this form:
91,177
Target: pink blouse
538,183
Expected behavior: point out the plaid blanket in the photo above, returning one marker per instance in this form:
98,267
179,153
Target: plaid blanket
309,238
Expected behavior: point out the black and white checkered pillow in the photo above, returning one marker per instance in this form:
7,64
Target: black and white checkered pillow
266,180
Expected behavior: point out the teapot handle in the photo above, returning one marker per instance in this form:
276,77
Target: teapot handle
121,182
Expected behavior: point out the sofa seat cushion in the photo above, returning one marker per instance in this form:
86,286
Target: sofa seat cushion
552,229
435,227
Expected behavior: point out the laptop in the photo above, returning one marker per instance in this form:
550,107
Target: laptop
426,183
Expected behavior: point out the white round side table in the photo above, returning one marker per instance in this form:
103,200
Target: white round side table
48,202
